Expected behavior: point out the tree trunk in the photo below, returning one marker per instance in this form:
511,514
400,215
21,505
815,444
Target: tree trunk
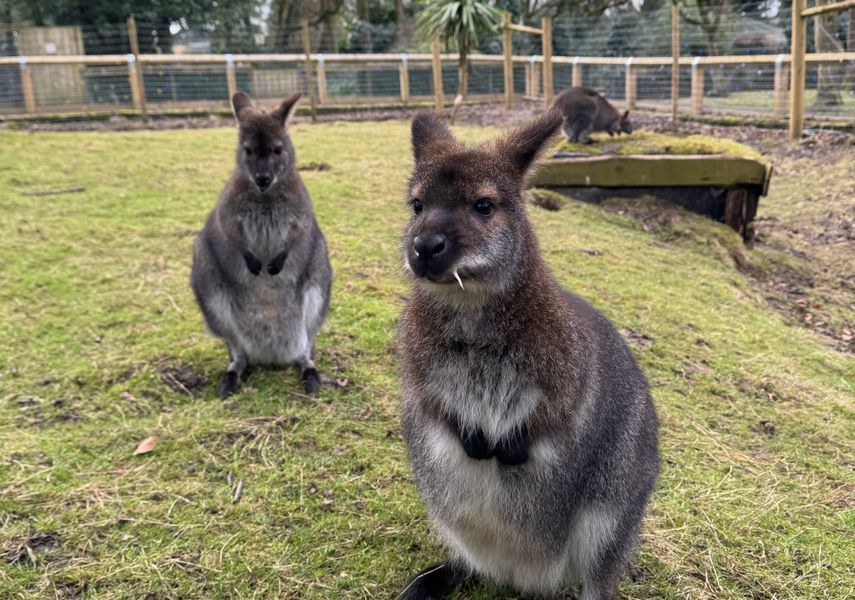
829,80
463,72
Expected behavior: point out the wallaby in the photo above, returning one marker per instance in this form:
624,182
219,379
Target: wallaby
260,273
586,111
530,429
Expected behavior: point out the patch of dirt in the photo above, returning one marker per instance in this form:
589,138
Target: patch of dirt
642,341
314,166
20,551
182,378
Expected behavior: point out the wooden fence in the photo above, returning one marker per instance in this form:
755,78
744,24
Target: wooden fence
310,72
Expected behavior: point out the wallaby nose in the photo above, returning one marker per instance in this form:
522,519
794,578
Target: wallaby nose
429,246
262,181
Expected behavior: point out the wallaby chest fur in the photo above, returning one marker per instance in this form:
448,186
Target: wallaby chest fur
515,355
260,273
586,111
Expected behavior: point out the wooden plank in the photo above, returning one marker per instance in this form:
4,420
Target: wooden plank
507,52
651,171
436,65
310,83
675,61
818,10
548,86
523,28
797,72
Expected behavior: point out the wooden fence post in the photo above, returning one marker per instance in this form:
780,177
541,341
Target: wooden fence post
675,62
507,49
439,99
310,84
529,74
797,71
404,74
27,86
631,91
779,95
548,87
577,73
135,74
231,77
697,87
323,98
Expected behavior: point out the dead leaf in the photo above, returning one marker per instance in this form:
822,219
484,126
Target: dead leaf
146,446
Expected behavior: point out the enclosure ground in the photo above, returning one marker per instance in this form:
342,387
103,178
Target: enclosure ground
104,347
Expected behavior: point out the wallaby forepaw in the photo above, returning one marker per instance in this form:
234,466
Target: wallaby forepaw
229,383
311,380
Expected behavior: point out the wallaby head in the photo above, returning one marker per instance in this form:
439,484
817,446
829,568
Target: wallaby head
623,125
264,152
468,233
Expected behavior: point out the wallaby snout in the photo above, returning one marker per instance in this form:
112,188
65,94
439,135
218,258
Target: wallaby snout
430,249
263,181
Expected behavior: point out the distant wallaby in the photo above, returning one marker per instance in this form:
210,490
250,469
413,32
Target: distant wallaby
530,429
261,274
586,111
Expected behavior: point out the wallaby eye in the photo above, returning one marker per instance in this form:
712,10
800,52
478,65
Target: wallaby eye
417,205
277,150
484,207
248,150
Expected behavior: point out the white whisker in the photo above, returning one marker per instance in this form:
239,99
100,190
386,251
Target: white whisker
460,281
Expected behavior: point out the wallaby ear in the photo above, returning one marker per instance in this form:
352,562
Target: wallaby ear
428,130
283,110
241,101
521,146
625,115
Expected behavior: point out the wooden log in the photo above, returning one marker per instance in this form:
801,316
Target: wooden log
797,71
436,64
507,51
548,86
697,89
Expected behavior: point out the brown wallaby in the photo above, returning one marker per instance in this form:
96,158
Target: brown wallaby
530,429
260,273
586,111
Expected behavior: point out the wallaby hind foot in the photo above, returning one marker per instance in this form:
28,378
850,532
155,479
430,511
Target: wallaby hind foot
311,380
434,583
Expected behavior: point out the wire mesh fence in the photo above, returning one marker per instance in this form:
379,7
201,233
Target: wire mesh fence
731,62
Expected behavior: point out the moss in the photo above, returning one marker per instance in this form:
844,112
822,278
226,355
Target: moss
648,142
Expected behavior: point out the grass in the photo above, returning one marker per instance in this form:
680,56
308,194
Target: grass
649,142
757,488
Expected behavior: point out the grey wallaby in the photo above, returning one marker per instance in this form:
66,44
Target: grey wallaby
530,428
260,273
586,111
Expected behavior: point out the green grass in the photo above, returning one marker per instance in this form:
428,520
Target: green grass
649,142
756,493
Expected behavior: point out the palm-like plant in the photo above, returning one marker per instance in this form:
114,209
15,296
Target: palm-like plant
460,24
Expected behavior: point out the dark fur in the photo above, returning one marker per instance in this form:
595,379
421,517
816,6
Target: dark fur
530,429
586,111
260,269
